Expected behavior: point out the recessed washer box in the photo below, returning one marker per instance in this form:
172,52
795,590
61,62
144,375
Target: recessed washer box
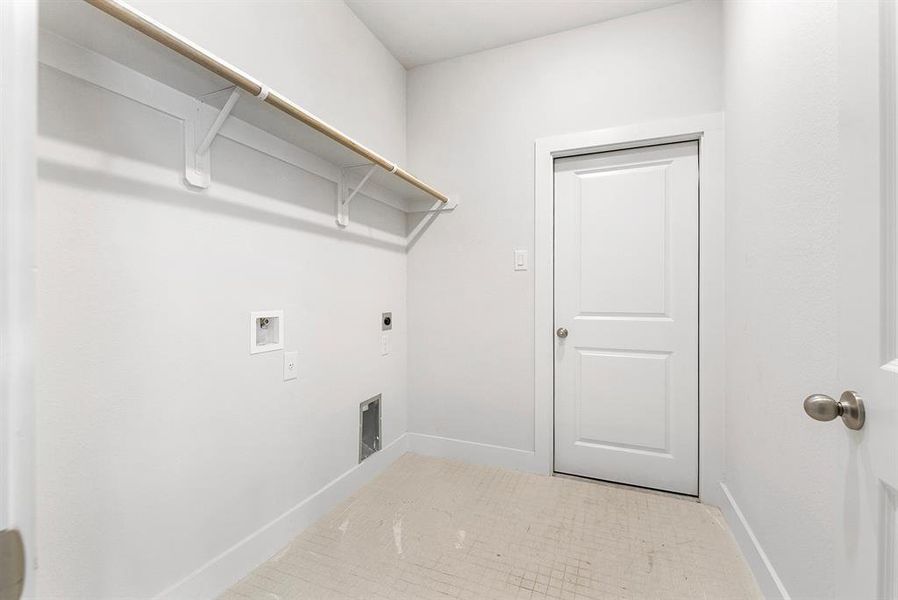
266,331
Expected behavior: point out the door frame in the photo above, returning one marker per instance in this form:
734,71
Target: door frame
708,131
18,130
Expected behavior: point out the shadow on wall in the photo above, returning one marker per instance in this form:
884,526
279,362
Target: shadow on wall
216,200
417,225
123,147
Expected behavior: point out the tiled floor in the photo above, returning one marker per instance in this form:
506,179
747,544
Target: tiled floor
433,528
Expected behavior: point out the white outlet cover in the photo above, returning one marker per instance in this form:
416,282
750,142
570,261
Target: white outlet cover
291,365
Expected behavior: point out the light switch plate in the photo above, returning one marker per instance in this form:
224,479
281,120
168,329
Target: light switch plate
291,365
385,348
520,260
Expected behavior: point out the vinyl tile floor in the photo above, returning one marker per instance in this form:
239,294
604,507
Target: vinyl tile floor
430,528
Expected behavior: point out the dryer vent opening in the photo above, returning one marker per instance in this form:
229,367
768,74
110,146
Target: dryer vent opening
369,427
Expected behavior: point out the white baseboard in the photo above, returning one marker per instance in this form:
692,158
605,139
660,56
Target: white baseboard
226,569
474,452
768,580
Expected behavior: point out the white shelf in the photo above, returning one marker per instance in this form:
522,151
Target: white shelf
92,29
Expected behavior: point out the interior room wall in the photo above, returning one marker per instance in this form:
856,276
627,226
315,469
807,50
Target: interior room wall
472,123
162,443
782,142
315,52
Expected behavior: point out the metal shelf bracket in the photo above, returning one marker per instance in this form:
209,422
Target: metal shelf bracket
346,193
197,167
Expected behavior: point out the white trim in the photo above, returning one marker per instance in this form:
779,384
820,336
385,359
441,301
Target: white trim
226,569
888,545
888,127
708,130
18,129
473,452
768,580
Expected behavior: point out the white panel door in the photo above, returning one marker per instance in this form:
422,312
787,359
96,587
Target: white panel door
626,292
865,560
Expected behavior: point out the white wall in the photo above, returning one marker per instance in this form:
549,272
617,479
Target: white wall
782,174
472,124
315,52
162,442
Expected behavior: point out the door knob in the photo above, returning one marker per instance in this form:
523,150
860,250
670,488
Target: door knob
849,406
562,332
12,564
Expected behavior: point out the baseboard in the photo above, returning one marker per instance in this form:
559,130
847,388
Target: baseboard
474,452
220,573
768,580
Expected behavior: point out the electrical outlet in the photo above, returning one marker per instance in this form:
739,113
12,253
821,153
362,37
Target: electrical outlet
291,365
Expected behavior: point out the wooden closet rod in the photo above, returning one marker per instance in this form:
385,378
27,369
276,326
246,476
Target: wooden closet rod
175,42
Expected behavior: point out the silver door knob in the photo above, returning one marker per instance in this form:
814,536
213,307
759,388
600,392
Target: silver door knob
12,564
850,407
562,332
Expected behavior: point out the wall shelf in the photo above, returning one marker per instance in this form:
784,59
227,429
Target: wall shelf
222,92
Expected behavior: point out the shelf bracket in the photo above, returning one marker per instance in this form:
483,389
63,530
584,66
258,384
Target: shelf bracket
197,167
343,199
436,207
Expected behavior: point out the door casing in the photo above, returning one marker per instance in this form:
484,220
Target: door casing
18,130
708,131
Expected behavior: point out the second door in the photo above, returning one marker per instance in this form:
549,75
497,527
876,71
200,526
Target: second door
626,316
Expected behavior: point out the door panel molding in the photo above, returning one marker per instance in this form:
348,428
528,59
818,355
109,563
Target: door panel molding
888,127
604,243
631,355
708,130
888,527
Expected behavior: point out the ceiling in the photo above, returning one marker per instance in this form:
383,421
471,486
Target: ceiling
419,32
